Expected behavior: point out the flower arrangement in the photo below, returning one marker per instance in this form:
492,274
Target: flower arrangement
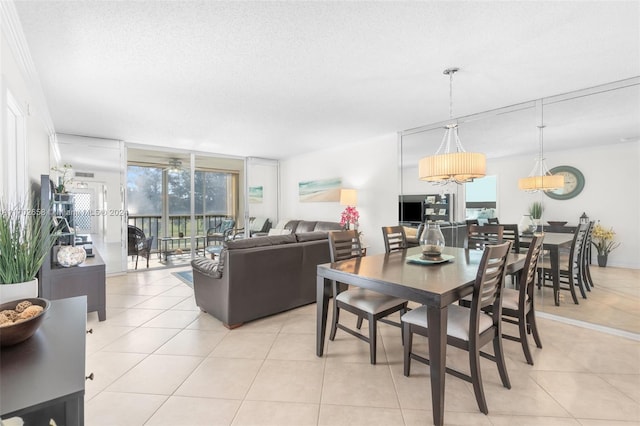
63,180
350,216
603,239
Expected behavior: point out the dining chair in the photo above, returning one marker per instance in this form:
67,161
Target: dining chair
586,258
518,305
472,328
394,238
479,236
570,266
363,303
493,221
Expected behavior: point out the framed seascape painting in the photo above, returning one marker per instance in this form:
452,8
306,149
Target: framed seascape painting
256,194
325,190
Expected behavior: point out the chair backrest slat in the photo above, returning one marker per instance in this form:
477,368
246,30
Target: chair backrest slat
479,236
511,233
344,245
394,238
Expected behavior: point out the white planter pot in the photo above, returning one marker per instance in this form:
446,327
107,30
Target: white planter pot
26,290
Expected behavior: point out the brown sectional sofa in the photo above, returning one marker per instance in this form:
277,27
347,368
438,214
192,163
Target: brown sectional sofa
262,276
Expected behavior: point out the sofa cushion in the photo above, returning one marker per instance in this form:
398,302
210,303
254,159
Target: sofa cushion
276,231
311,236
305,226
273,240
327,226
207,267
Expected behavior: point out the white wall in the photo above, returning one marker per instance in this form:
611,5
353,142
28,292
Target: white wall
17,77
371,167
611,193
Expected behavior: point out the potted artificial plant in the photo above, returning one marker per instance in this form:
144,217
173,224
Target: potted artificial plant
535,210
25,240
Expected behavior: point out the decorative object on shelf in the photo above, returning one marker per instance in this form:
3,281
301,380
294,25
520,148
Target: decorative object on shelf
604,241
19,319
557,222
65,177
350,217
24,244
71,256
573,183
526,225
535,210
432,241
446,165
540,178
584,219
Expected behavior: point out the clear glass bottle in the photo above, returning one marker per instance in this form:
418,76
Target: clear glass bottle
526,225
432,240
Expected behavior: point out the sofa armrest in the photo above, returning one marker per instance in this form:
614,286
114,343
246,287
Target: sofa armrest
206,267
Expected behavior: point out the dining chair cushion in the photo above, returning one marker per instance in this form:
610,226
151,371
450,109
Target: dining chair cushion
368,301
457,320
510,298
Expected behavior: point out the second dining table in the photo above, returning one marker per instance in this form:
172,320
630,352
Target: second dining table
435,285
553,242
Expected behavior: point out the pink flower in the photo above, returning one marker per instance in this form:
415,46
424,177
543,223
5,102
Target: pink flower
350,215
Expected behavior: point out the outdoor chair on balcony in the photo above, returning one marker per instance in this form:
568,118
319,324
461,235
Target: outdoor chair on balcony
138,244
221,233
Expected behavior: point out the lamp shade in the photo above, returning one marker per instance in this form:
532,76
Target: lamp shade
541,183
348,197
455,166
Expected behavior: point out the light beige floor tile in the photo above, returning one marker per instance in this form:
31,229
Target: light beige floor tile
103,335
294,347
189,304
592,422
349,349
135,317
271,324
244,345
300,324
588,396
499,420
341,415
204,321
191,411
160,302
142,340
451,418
221,378
290,381
124,300
172,319
358,384
262,413
156,374
180,291
106,367
192,342
122,409
628,384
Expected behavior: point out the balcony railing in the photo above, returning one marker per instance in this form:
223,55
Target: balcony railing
151,225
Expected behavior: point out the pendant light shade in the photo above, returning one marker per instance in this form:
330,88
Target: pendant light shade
540,178
448,165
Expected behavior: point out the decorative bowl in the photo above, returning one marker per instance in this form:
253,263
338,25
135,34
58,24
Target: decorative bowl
71,256
16,332
557,222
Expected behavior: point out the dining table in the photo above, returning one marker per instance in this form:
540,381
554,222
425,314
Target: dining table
554,243
436,285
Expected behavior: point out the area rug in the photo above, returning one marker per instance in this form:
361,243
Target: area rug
185,276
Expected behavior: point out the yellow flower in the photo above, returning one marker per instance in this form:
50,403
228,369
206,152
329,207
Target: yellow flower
603,239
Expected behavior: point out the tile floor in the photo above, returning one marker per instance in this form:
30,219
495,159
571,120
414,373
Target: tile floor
158,360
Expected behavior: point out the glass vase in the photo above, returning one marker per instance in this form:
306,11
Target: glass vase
432,240
526,225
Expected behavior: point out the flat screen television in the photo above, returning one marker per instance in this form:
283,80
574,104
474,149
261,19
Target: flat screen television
410,211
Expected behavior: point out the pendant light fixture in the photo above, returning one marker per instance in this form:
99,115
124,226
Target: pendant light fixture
540,178
446,165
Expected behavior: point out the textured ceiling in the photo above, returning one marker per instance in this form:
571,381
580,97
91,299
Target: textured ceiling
276,79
